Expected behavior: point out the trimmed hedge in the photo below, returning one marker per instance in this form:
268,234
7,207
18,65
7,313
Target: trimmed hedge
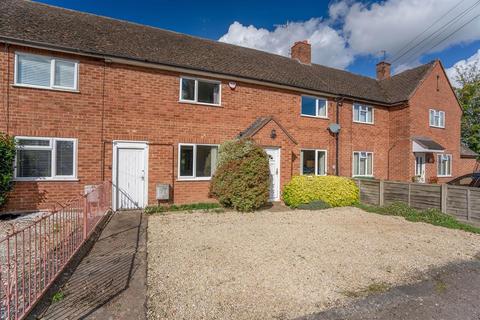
7,156
333,190
242,178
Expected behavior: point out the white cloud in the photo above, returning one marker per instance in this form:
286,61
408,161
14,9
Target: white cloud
462,65
354,29
328,46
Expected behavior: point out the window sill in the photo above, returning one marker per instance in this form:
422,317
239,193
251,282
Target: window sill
200,103
16,85
314,117
46,179
193,179
435,127
360,122
363,176
449,176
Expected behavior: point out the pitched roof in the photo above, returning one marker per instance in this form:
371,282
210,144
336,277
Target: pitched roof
34,23
467,152
258,124
428,143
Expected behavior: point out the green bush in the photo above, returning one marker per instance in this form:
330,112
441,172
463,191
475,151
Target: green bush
314,205
333,190
242,178
7,155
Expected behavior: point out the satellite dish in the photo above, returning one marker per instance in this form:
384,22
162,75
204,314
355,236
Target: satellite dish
334,127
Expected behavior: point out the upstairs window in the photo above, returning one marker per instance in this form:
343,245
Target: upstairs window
444,165
45,158
314,162
363,164
200,91
45,72
314,107
197,161
362,113
437,118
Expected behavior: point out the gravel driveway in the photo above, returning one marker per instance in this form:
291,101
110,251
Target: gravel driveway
287,264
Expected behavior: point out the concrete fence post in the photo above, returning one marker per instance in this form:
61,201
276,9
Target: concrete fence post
444,195
409,193
469,207
381,196
85,218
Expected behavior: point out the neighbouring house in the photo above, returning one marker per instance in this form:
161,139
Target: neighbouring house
90,98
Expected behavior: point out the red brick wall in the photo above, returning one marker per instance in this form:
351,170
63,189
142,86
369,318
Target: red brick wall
140,104
437,94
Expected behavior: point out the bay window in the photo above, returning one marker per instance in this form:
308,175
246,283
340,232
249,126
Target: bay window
197,161
45,158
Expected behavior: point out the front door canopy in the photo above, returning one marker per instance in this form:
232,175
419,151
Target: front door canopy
425,144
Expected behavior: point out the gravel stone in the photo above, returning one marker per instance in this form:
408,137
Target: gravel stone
279,265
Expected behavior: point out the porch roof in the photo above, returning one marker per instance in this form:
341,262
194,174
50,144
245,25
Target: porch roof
426,144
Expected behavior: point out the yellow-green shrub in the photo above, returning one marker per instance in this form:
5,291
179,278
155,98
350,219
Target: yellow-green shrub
336,191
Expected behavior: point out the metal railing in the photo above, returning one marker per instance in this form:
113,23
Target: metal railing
31,258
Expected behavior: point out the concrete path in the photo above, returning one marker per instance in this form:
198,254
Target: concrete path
110,282
451,293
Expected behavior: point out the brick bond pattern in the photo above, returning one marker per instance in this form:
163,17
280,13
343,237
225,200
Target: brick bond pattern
134,103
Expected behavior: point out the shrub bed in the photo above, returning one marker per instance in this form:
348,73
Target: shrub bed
332,190
242,178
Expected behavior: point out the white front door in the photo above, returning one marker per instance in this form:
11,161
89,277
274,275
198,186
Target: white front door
130,161
420,167
274,159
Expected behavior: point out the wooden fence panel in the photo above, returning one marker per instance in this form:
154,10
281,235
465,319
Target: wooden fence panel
369,191
395,192
425,196
475,205
457,202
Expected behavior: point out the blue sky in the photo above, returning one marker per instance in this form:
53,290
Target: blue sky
341,31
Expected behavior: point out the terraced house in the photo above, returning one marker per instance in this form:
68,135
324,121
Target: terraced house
90,98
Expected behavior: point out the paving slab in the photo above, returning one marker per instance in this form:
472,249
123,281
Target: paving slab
110,282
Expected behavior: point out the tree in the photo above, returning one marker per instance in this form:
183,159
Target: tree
469,96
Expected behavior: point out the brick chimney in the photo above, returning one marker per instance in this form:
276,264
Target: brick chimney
302,51
383,70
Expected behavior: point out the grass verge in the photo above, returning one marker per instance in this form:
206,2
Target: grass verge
207,207
432,216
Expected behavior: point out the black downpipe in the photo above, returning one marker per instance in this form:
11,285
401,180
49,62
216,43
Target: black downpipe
339,102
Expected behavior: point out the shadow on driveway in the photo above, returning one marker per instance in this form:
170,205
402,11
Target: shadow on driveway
110,282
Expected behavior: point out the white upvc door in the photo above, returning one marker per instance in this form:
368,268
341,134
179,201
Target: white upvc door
130,175
274,160
420,167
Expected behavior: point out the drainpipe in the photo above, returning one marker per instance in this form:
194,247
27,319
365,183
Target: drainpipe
339,102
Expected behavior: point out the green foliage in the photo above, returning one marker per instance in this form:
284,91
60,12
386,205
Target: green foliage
314,205
333,190
469,96
432,216
7,155
182,207
242,178
58,296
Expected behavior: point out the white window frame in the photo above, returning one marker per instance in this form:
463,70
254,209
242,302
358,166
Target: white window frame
52,85
316,108
195,101
194,176
316,161
361,106
439,156
353,164
53,148
436,113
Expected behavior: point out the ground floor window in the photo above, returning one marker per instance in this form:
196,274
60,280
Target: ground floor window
363,164
197,161
313,162
45,158
444,165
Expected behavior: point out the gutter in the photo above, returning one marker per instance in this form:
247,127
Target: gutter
180,69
